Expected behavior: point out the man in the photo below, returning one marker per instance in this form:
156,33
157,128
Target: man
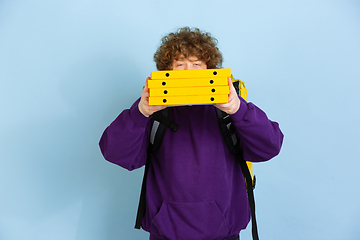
195,187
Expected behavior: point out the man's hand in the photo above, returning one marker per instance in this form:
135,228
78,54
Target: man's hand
143,105
234,102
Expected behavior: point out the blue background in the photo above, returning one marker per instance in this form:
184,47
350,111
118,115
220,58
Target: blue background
68,68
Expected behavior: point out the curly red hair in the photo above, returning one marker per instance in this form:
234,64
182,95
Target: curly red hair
188,42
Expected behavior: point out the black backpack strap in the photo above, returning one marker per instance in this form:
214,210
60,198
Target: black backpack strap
142,207
231,140
160,122
227,131
250,192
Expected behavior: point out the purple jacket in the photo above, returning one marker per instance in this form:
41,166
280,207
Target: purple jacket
195,187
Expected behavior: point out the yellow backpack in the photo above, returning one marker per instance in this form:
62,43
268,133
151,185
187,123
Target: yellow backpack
242,91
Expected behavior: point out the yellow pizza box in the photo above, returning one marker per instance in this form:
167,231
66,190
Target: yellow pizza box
188,82
190,91
201,73
189,100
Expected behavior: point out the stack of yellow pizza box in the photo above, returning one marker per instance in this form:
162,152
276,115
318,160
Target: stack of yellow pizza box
187,87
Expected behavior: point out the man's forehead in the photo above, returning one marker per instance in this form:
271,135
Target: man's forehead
191,58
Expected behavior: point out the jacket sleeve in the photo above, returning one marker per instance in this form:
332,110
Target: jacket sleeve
260,138
125,141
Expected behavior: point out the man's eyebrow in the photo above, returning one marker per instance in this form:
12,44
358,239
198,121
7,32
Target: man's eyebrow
195,60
